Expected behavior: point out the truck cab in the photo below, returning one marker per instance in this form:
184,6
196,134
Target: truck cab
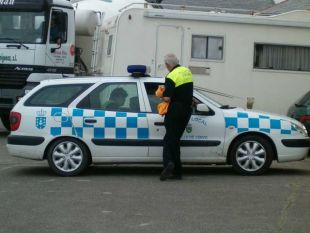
37,42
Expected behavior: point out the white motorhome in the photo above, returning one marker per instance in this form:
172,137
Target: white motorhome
263,59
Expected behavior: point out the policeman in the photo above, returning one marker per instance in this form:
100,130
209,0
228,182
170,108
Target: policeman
178,93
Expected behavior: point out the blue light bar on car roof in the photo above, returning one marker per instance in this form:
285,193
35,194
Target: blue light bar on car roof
138,70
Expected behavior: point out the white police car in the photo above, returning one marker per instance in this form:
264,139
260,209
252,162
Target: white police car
75,122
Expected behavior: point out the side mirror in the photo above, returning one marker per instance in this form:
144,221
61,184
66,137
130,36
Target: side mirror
202,108
54,49
58,42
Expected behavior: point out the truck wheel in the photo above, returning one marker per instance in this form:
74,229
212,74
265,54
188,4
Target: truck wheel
68,157
6,121
251,155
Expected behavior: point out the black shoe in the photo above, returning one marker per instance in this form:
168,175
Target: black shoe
167,172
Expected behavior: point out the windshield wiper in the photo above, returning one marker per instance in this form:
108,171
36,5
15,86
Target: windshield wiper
300,105
226,107
20,44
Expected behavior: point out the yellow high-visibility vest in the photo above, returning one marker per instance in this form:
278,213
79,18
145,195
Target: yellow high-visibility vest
180,76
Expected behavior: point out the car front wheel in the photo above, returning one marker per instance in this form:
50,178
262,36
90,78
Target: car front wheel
68,157
251,155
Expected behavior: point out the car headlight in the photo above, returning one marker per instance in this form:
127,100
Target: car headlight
300,128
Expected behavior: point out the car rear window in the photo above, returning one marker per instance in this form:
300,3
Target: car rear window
56,95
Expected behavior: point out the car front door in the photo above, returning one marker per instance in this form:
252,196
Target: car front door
203,138
110,121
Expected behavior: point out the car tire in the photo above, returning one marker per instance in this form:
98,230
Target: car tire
6,121
68,157
251,155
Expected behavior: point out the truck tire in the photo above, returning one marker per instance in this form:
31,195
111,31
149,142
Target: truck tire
6,121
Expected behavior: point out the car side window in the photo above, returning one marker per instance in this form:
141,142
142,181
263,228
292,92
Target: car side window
56,95
58,27
153,99
121,97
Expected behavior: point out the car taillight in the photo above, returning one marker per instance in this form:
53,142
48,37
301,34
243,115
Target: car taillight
15,119
304,118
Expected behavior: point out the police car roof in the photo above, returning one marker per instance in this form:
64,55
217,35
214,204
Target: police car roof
95,79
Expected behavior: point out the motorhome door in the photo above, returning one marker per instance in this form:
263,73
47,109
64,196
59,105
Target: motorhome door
169,40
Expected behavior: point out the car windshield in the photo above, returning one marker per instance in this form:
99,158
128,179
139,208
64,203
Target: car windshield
21,27
205,93
305,100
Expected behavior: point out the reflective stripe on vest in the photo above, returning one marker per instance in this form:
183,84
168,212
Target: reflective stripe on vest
180,75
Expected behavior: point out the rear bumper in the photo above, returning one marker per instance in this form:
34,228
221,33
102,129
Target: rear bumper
28,147
296,142
25,140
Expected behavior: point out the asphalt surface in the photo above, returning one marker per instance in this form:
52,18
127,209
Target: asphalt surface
117,199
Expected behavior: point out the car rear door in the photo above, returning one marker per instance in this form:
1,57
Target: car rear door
116,134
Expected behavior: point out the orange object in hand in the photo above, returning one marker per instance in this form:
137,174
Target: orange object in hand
162,108
160,91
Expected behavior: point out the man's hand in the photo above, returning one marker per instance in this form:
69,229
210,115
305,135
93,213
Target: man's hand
167,99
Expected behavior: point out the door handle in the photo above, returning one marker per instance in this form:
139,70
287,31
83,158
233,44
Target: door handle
90,121
159,123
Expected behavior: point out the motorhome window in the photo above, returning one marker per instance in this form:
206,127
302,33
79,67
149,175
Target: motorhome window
22,27
56,95
207,47
121,97
58,27
281,57
109,50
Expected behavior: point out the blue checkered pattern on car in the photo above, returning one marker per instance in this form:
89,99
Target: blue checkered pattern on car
244,121
118,125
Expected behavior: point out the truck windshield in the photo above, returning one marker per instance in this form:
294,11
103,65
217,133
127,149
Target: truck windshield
22,27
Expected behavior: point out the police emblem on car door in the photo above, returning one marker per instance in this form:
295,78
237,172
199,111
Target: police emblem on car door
41,119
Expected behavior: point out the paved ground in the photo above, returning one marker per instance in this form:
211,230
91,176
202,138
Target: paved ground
117,199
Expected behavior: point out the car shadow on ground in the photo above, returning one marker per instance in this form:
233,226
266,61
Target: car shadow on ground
153,171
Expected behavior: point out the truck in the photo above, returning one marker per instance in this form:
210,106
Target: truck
262,61
30,51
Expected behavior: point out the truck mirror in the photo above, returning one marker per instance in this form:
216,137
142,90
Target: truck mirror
54,49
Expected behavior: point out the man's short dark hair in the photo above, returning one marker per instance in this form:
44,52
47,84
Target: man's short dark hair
118,92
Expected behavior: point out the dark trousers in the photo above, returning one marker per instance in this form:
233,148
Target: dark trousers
175,123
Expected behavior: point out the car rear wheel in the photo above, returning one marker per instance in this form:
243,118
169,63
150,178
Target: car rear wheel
68,157
251,155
